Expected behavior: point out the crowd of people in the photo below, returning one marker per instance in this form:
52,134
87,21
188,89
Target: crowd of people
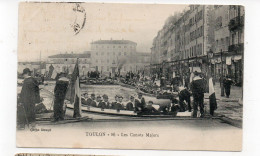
137,104
30,96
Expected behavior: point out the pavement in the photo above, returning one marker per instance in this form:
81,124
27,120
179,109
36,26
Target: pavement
231,107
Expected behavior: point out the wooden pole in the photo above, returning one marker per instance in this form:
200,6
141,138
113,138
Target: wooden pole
222,75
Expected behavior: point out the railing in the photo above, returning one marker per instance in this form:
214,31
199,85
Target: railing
236,23
236,48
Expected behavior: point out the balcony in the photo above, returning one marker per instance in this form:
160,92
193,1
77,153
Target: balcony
237,48
236,23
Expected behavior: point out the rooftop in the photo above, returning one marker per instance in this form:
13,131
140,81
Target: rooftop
71,55
113,42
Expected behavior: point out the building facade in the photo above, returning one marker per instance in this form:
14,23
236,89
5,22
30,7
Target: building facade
110,56
189,36
197,32
236,47
66,62
143,60
229,42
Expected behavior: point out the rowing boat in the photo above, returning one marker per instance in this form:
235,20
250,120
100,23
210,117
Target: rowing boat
113,112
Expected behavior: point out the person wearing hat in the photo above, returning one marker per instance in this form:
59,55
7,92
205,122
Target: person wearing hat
85,100
139,103
30,95
130,104
113,104
119,104
93,100
104,104
198,89
99,101
227,82
149,109
60,91
105,100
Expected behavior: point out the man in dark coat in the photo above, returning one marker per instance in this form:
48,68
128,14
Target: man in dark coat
227,82
130,104
184,95
113,104
119,105
93,100
198,89
60,91
149,109
139,103
104,104
30,95
98,100
85,100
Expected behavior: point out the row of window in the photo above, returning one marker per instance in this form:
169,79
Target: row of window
193,51
196,34
197,18
222,41
70,60
114,53
102,61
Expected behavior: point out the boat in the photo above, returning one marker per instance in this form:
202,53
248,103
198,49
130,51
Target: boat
127,113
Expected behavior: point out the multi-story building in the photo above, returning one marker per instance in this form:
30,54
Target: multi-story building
110,56
229,42
236,47
66,62
143,60
155,50
190,37
222,39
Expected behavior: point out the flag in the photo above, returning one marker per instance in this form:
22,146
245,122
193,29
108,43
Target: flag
54,74
212,97
74,93
191,77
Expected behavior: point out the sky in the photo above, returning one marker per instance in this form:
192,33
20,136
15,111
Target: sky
47,28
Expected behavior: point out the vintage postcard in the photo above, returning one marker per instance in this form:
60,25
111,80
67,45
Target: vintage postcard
130,76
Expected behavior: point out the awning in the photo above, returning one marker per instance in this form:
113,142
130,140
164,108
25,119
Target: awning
237,57
195,69
228,60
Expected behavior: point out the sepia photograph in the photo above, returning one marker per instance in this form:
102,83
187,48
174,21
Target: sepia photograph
130,76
